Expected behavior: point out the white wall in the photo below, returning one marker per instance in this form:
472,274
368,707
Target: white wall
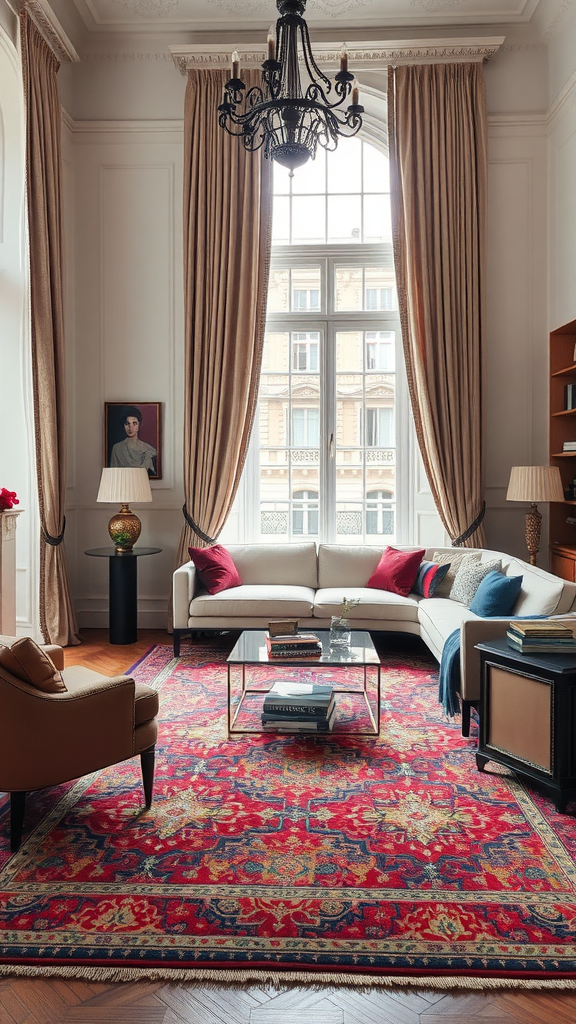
125,341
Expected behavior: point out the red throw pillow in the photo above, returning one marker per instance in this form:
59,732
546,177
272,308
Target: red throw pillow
396,571
216,568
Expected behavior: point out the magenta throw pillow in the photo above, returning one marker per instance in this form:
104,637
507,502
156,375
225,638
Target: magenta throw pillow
216,568
396,571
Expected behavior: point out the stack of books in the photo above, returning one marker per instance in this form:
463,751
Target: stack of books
299,707
300,645
569,446
541,636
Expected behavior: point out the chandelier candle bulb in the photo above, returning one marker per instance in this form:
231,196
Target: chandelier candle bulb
355,92
271,43
343,58
235,64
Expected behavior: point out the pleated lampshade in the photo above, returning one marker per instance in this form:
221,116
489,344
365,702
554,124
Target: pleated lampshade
535,483
124,487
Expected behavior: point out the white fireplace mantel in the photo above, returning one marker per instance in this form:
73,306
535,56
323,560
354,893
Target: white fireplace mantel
8,521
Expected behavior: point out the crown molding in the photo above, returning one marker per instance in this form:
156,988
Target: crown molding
50,28
565,96
364,56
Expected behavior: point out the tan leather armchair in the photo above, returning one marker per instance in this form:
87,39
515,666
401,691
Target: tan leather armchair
50,738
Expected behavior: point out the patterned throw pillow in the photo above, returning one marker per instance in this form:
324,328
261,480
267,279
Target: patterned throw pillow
454,560
468,579
429,578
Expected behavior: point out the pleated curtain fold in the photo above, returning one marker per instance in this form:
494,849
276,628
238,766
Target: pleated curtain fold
438,166
227,238
43,190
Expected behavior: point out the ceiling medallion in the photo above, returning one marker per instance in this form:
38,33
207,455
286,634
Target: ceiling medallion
154,7
287,115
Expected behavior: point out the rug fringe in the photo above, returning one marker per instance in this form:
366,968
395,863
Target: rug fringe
279,979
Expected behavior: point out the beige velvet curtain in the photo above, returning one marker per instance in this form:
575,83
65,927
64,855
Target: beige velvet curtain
438,166
43,173
227,237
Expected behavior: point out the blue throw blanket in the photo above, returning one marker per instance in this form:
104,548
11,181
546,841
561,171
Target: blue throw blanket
449,678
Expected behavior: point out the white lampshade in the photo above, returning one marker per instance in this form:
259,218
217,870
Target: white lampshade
124,486
535,483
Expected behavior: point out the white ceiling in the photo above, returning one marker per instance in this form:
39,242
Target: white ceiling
154,16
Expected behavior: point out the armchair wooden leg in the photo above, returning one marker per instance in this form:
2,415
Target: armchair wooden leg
147,764
17,807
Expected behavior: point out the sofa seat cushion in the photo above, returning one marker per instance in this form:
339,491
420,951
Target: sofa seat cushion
440,616
374,604
262,600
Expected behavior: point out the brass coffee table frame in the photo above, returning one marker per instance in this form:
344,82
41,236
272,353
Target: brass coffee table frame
250,650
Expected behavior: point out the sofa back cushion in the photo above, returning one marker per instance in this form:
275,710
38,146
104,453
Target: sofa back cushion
343,566
294,565
541,593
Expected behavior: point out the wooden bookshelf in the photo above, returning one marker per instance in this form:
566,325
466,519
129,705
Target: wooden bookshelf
562,428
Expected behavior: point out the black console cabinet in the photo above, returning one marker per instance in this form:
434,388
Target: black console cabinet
528,717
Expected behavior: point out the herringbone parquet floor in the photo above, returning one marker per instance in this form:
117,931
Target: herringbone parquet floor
39,1001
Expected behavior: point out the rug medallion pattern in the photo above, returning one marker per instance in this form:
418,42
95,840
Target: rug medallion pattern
332,853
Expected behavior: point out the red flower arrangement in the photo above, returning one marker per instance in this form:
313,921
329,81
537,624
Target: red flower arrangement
7,499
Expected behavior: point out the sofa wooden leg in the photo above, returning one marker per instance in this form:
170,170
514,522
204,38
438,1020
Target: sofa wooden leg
17,808
176,643
147,765
466,705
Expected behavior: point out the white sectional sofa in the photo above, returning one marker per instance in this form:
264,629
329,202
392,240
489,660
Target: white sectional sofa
308,583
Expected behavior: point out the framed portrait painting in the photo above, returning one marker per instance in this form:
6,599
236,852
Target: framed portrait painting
133,436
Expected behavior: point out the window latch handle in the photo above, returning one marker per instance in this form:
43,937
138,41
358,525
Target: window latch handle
331,446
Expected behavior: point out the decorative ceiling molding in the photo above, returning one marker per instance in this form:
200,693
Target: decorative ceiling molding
105,57
361,56
47,23
154,7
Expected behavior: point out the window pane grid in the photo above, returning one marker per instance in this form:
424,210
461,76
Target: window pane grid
336,210
307,210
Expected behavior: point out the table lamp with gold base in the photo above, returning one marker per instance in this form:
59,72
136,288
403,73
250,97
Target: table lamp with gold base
124,486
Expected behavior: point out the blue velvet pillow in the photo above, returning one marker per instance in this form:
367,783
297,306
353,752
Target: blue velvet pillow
496,595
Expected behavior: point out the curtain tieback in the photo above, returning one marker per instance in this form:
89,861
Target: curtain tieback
471,529
54,541
195,528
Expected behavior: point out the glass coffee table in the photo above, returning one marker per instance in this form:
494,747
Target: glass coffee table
246,688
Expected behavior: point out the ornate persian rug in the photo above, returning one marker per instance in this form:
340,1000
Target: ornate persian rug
331,858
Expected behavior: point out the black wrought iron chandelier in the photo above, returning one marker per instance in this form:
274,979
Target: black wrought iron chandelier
286,116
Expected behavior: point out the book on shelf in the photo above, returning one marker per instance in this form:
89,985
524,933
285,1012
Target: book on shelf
292,638
311,697
300,652
298,708
552,646
284,689
540,627
272,724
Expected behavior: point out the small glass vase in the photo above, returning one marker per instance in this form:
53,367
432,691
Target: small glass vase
339,632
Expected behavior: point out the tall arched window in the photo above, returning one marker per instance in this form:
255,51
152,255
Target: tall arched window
331,400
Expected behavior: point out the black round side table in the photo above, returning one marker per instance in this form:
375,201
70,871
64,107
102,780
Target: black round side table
123,590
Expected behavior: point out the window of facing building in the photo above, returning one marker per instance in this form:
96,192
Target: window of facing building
324,461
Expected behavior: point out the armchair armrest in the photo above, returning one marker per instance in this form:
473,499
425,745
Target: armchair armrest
472,632
48,738
55,653
183,587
